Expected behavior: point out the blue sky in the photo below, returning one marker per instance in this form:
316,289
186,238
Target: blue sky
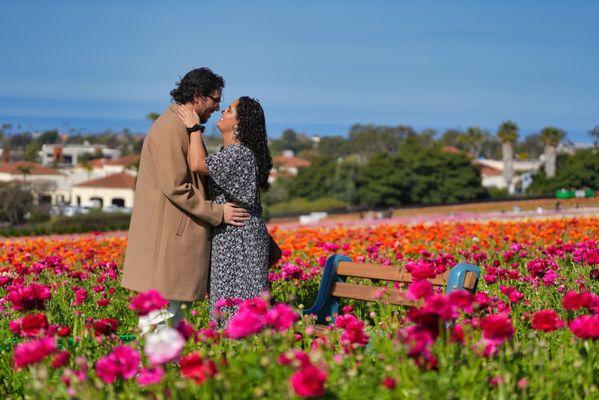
317,66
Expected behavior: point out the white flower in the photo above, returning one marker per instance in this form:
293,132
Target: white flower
164,345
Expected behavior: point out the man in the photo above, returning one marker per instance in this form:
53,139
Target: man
168,247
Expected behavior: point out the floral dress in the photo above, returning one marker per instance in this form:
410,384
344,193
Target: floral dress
239,257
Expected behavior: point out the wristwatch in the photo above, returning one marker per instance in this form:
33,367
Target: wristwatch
196,127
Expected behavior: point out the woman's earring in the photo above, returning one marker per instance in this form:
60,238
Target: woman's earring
236,132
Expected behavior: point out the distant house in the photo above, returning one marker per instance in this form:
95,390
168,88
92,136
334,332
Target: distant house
491,171
46,179
113,166
287,165
116,189
69,155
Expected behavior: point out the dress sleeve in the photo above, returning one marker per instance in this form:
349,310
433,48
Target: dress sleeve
233,169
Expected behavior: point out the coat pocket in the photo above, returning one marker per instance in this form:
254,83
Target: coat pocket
183,220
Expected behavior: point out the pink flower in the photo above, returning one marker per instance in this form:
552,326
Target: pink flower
546,320
586,327
32,297
185,329
29,325
164,345
497,327
80,296
353,331
250,319
574,301
33,351
150,376
148,301
193,366
462,299
123,363
281,317
308,381
420,290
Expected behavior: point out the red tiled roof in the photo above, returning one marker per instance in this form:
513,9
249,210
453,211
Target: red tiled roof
451,149
290,162
34,169
124,161
485,170
121,180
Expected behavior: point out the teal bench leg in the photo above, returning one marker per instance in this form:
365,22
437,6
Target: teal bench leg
325,304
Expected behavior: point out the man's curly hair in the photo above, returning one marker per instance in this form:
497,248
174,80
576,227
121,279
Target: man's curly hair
251,132
197,82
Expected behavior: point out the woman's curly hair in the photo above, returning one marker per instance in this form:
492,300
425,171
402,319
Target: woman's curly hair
197,82
251,132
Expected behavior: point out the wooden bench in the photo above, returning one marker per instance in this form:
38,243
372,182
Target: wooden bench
338,268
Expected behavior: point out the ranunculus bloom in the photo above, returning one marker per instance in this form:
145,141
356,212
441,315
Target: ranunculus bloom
546,320
389,383
185,329
574,301
461,299
29,325
106,326
586,327
32,297
353,331
281,317
420,290
123,363
250,319
308,381
150,376
164,345
61,359
497,327
32,352
148,301
194,366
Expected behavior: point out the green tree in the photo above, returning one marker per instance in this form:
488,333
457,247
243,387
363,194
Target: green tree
48,137
578,170
315,181
384,182
15,202
594,133
153,116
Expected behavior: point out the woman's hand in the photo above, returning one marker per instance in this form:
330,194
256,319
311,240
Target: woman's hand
189,117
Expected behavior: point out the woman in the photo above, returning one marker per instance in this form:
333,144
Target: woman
239,259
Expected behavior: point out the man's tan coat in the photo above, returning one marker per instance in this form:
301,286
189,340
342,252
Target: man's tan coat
168,247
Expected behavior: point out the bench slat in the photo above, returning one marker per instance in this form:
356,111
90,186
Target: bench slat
370,293
393,274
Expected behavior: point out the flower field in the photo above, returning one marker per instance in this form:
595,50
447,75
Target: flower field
68,330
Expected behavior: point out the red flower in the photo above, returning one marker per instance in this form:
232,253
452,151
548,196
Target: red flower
497,327
546,320
61,359
193,366
389,383
106,326
148,301
29,325
574,301
308,381
461,299
586,327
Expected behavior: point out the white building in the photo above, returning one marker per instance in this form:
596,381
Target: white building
287,165
68,155
42,179
492,171
116,190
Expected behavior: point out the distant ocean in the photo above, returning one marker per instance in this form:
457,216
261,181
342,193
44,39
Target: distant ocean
74,125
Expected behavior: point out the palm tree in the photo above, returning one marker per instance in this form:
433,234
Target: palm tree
508,134
550,137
